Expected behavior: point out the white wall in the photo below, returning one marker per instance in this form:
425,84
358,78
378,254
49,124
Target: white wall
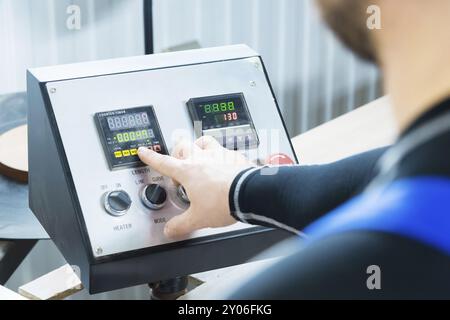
315,79
34,33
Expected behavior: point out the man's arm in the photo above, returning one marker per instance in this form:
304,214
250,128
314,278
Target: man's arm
297,196
294,196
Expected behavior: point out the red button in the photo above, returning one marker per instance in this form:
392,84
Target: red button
157,148
279,159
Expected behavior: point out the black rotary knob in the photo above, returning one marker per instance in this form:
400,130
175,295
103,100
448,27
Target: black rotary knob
117,203
154,196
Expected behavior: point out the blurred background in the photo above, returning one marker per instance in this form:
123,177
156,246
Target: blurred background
315,79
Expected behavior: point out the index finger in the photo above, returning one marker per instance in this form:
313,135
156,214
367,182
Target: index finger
166,165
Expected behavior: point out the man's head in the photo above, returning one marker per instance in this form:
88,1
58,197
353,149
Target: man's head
411,47
348,19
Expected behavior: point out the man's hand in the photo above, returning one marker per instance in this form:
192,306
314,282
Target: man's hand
206,170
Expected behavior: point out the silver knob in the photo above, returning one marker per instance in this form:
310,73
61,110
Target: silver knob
182,194
117,203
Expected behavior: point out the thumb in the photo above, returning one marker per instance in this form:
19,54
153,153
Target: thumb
181,225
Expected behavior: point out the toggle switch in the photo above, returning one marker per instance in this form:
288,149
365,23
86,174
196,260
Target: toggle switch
117,203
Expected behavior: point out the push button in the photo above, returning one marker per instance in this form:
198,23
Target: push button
126,153
249,140
279,159
240,141
154,196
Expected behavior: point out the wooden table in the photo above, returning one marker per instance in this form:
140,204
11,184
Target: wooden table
364,129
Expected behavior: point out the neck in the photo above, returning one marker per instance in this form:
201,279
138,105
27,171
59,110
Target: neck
416,67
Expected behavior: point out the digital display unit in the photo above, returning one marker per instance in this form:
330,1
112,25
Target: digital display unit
220,111
123,132
226,118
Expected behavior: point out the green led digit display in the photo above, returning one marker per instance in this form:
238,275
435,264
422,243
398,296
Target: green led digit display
134,136
219,107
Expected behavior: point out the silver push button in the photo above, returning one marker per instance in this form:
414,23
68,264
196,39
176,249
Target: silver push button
117,203
154,196
182,194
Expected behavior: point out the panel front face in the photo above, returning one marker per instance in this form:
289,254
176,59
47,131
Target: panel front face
103,120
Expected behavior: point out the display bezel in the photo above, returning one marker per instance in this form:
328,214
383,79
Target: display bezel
227,135
195,102
104,131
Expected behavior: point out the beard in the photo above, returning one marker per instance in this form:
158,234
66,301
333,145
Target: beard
347,18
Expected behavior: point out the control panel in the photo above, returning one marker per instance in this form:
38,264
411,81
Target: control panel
94,196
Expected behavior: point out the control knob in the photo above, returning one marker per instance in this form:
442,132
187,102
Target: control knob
154,196
182,194
117,203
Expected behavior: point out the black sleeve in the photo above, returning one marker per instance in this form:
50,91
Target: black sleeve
296,196
339,267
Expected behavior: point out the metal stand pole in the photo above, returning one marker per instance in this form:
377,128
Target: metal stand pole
169,289
148,27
